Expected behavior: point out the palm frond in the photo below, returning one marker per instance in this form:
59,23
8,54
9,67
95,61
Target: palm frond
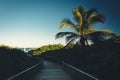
72,36
96,18
106,31
81,9
101,32
66,23
90,12
62,34
78,17
102,35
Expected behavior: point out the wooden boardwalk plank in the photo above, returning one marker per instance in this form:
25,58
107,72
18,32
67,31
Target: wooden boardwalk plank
52,71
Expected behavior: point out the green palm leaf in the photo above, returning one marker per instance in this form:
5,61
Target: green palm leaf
78,17
71,37
90,12
66,23
81,9
96,18
97,36
101,33
63,34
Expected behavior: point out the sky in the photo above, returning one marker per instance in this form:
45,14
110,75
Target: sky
34,23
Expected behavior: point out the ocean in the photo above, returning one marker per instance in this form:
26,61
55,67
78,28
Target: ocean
26,49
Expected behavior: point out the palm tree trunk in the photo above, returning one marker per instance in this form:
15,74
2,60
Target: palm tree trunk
82,41
67,45
87,42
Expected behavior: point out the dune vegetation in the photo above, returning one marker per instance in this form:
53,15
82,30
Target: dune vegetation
13,61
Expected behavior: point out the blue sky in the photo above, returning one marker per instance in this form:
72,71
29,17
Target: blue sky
33,23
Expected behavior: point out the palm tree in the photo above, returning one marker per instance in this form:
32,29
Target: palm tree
83,26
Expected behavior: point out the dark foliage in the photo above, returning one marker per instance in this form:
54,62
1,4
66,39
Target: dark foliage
100,60
13,61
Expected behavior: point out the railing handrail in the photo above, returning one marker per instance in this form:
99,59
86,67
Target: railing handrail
81,71
22,72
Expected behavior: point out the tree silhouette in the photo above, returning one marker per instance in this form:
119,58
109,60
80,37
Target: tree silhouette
83,27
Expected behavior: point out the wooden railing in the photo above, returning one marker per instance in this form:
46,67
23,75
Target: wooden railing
79,74
27,73
73,71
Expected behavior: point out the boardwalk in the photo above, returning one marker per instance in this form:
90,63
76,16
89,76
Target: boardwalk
52,71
